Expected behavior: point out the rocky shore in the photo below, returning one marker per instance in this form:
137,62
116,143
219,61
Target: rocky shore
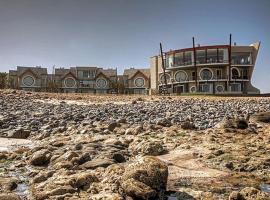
75,146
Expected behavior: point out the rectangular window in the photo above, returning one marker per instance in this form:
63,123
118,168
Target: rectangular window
221,55
200,56
241,58
211,55
85,74
193,76
179,59
245,74
188,58
235,87
219,72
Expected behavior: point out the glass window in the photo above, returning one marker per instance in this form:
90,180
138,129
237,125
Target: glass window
211,55
101,83
221,55
220,88
162,78
200,56
70,82
188,58
219,72
235,87
179,59
85,74
241,58
206,74
193,75
180,76
139,82
28,80
235,73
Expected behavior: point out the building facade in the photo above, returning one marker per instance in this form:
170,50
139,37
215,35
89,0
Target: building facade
218,69
136,81
28,78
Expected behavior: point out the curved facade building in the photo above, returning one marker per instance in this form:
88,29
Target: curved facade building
217,69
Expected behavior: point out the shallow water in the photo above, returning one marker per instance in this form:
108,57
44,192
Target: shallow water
265,188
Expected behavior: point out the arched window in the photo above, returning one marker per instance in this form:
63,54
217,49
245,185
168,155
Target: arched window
139,82
70,82
167,78
206,74
235,73
181,76
28,80
101,83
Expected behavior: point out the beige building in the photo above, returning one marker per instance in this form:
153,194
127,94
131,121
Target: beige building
28,78
206,69
74,79
136,81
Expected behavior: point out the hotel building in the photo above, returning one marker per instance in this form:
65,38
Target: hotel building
217,69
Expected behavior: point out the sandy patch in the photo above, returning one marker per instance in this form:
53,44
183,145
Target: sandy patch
7,144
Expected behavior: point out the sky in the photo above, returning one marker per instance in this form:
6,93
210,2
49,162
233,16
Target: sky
126,33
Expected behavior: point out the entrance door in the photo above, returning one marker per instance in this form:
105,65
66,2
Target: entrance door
179,89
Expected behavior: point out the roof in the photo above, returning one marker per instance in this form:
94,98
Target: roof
36,70
109,72
132,71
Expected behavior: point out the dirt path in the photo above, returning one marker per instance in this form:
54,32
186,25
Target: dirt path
185,169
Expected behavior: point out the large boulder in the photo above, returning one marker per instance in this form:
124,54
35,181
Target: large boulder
151,148
249,193
164,122
144,177
233,123
41,157
84,179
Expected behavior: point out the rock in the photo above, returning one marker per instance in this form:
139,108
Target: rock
62,190
42,176
149,170
119,158
112,126
83,180
249,193
138,189
98,162
164,122
234,123
188,125
3,156
152,148
19,133
40,158
261,117
9,196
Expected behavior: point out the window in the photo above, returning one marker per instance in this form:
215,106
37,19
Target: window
193,89
85,83
235,87
245,74
181,76
211,55
139,82
162,78
101,83
70,82
200,56
193,75
235,73
28,81
221,55
220,88
179,59
241,58
206,74
219,72
188,58
205,88
85,74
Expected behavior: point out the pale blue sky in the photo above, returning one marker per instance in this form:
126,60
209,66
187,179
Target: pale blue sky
125,33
